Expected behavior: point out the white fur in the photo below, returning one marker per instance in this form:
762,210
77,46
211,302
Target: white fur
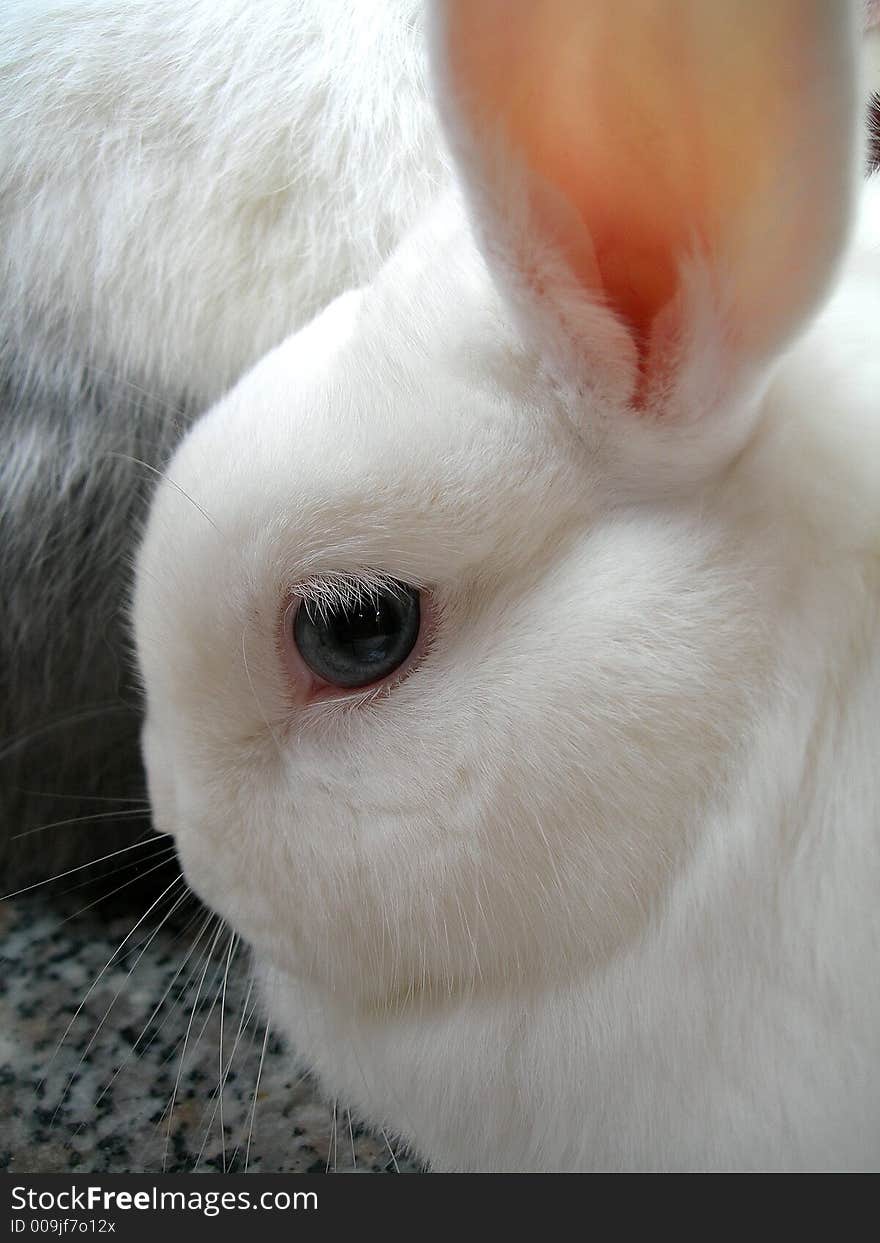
185,184
595,887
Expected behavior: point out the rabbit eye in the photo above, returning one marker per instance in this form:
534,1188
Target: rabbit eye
360,641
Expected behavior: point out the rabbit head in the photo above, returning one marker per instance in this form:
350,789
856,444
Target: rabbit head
520,456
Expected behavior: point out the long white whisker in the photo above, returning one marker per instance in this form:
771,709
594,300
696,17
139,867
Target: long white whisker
391,1150
334,1137
114,871
254,1012
247,1153
167,857
71,718
127,457
115,998
233,942
218,1094
213,1005
177,880
207,920
85,798
185,1043
70,871
131,814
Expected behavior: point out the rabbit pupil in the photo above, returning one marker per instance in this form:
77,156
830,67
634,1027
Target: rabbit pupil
361,641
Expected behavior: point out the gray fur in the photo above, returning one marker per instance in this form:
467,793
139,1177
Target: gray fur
72,494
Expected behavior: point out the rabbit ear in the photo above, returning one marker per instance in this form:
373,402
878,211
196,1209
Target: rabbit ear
655,182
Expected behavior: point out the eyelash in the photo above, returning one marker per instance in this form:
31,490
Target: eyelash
340,589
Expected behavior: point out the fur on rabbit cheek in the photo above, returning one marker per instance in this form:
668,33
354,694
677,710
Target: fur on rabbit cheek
305,686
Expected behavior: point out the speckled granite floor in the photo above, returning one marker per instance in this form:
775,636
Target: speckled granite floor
100,1103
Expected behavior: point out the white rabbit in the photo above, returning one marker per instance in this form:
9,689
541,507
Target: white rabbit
510,633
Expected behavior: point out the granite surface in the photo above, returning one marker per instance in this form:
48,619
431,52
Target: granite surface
112,1038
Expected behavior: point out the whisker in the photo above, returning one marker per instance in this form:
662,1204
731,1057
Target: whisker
207,920
70,871
188,896
177,880
168,855
82,798
123,867
254,1014
213,1005
247,1154
218,1093
185,1043
391,1150
233,942
332,1146
173,482
116,997
198,1039
72,718
351,1138
138,813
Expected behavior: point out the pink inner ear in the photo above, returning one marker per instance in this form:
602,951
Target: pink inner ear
644,209
577,103
637,274
621,255
657,130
